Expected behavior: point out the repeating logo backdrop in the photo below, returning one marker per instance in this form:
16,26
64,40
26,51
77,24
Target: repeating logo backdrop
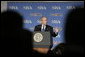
56,12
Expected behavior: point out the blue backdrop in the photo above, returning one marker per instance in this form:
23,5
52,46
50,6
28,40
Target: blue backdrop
56,12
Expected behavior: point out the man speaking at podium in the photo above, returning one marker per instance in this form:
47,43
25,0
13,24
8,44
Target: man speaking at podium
44,27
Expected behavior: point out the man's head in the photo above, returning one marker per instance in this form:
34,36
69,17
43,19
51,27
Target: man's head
43,20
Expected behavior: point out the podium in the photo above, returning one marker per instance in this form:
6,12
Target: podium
41,39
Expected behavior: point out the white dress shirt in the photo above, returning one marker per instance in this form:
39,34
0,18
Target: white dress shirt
43,27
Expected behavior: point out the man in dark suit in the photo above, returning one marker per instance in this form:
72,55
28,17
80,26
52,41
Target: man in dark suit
44,27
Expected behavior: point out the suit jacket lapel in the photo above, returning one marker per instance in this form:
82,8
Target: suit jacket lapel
46,28
40,27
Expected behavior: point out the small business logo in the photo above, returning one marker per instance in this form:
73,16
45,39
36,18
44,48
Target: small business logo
56,14
38,37
35,14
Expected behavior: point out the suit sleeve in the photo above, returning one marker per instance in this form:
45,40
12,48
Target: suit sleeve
53,33
35,29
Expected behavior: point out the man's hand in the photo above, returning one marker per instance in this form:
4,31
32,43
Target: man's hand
56,30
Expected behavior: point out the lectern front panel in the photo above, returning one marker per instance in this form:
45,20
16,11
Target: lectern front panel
41,39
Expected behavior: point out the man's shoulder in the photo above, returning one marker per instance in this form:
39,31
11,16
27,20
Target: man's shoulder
49,26
38,25
46,25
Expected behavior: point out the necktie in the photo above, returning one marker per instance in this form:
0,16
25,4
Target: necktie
43,28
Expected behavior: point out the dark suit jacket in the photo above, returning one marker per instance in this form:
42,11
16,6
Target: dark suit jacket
48,28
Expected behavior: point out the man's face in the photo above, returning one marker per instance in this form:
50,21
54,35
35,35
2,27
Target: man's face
44,20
